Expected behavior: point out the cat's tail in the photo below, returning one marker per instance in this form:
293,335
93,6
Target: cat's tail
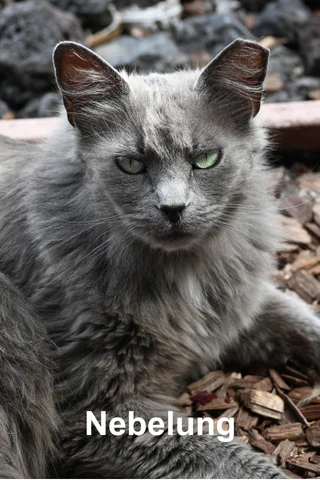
28,420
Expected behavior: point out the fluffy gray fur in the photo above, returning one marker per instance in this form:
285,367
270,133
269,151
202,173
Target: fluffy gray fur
136,307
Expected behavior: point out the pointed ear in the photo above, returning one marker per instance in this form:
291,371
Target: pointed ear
83,77
237,74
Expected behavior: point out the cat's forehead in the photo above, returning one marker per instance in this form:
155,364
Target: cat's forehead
164,102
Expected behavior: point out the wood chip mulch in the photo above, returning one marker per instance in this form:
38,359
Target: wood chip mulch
278,412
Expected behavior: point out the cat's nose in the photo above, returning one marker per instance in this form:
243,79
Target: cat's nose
173,212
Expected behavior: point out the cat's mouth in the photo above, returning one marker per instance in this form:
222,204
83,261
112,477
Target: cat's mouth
175,238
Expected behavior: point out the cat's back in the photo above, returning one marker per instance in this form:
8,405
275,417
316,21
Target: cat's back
15,157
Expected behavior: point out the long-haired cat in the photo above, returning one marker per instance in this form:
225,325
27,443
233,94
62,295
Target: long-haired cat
141,234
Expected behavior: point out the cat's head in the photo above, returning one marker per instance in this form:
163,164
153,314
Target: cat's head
171,155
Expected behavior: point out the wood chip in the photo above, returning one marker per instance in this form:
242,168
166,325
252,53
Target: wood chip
288,417
310,182
298,394
298,382
296,206
314,94
294,409
277,433
289,248
313,434
313,228
311,412
259,442
301,462
270,41
292,370
278,380
285,450
184,400
217,404
305,259
293,231
230,413
305,285
246,419
265,385
273,83
246,382
276,179
316,213
263,403
243,439
209,383
315,270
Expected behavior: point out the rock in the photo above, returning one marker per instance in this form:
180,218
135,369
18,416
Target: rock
212,32
296,91
27,40
306,85
286,63
157,17
270,42
309,46
282,18
120,4
288,66
92,13
156,52
227,6
254,5
314,94
199,59
273,83
46,106
196,7
5,112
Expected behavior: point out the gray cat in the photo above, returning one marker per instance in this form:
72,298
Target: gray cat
141,234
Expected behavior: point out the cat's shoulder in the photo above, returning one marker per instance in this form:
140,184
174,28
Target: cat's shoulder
14,156
11,148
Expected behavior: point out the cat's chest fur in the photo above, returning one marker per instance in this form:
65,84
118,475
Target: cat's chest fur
190,315
155,322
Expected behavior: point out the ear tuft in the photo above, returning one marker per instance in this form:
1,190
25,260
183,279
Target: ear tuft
84,77
239,70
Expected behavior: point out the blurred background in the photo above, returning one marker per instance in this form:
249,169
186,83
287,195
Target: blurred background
152,35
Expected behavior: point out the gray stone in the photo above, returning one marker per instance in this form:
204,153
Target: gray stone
282,18
92,13
139,3
212,32
5,111
295,91
28,33
285,63
46,106
156,52
309,46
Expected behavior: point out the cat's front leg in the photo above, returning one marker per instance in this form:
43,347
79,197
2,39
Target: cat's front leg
284,327
28,421
169,455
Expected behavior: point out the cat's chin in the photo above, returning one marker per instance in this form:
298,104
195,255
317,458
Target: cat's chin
171,243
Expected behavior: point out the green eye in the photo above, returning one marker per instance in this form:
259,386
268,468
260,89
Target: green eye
130,165
207,160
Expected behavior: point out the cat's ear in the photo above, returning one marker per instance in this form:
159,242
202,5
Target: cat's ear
237,73
84,77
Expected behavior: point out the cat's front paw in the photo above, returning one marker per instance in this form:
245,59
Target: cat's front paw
269,471
256,466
